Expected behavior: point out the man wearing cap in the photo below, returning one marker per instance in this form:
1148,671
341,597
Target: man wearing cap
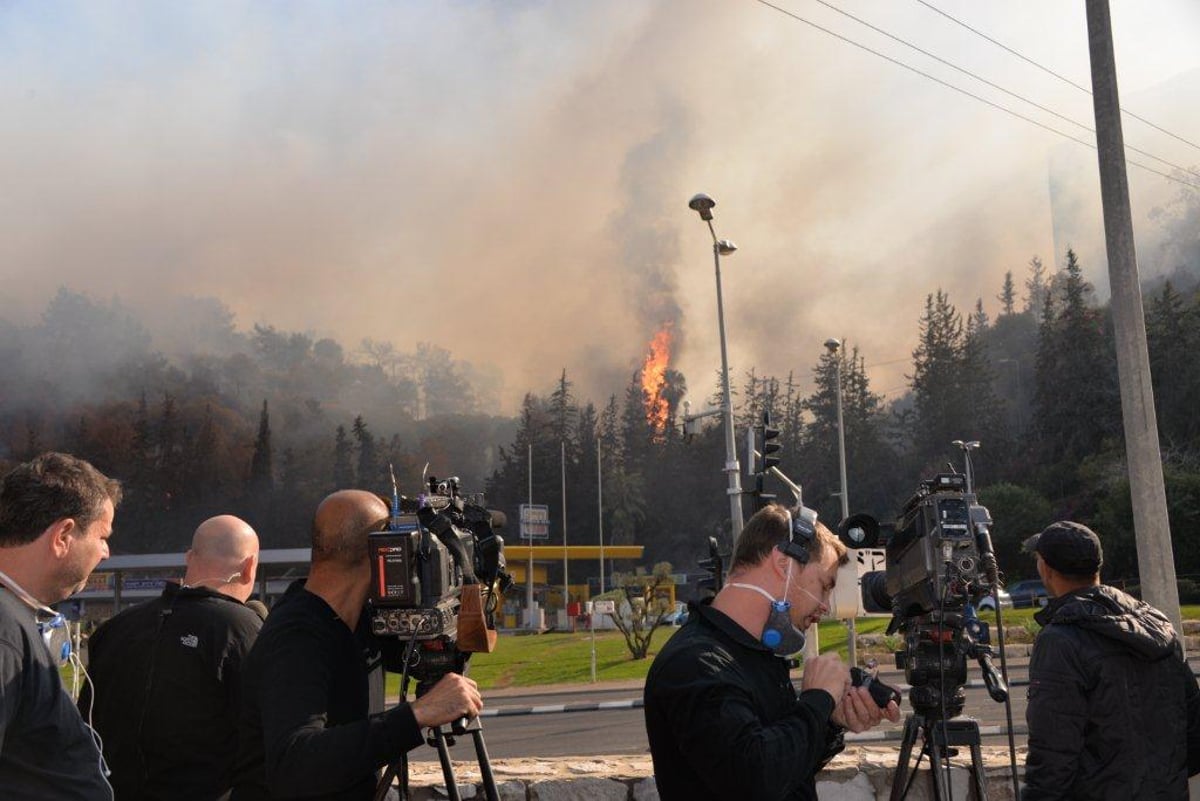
1114,710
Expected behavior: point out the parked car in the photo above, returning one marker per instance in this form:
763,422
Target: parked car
989,603
1028,592
678,616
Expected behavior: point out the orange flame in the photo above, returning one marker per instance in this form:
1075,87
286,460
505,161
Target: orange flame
655,367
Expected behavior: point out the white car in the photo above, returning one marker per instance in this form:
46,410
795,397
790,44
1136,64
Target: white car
989,603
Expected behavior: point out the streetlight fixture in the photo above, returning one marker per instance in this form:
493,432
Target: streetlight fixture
834,347
703,205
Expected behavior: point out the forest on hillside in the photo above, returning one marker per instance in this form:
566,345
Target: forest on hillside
262,423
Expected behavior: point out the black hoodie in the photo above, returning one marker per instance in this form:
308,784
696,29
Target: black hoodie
1114,710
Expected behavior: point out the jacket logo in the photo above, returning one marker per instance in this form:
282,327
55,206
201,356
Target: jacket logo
190,640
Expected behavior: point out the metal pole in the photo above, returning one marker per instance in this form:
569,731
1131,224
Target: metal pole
851,626
732,468
600,513
1156,564
529,576
562,452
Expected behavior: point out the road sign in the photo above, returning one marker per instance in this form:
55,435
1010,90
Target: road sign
535,521
604,607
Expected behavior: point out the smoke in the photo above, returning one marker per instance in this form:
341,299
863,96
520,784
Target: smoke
509,181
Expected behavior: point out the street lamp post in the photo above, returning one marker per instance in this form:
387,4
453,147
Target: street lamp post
703,205
834,346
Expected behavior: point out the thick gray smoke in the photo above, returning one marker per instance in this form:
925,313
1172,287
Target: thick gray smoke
510,180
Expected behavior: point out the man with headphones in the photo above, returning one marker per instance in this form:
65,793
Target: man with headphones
722,716
56,515
166,674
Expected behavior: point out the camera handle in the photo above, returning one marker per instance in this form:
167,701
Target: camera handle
996,687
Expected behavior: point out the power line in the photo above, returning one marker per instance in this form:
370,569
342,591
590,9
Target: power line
884,364
992,84
1049,71
962,91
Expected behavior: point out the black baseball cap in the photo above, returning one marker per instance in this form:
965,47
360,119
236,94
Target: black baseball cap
1068,547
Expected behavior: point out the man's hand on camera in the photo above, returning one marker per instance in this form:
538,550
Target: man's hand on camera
857,711
453,697
826,672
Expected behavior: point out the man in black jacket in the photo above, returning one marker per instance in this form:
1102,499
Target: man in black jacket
722,717
1114,710
56,515
305,730
166,674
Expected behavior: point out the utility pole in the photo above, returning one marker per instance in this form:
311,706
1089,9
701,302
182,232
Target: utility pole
1156,564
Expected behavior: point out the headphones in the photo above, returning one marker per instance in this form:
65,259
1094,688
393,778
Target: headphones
802,524
57,637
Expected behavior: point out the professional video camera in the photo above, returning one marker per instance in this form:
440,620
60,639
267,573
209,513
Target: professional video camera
939,565
437,577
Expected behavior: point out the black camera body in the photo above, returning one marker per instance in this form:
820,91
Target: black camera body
437,551
935,558
939,564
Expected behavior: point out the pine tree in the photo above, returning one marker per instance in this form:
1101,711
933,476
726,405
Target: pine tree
942,410
343,470
262,478
563,413
368,466
169,462
204,474
637,435
1173,336
1076,400
1036,286
1008,295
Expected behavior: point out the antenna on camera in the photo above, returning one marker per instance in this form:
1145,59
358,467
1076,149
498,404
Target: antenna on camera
967,447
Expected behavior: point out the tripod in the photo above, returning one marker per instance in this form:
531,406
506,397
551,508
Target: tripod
937,740
441,738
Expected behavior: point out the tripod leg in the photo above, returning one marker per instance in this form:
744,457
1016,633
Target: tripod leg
447,769
937,770
485,765
977,768
900,779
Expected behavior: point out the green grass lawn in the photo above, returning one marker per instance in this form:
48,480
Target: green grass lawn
562,658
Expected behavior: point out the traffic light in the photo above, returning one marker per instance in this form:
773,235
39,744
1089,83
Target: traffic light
715,566
767,435
762,458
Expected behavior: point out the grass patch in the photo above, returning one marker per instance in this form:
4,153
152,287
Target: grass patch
564,658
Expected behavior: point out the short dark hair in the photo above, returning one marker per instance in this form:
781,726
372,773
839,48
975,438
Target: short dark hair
769,527
51,487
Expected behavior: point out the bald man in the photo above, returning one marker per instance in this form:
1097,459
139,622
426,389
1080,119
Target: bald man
306,730
166,674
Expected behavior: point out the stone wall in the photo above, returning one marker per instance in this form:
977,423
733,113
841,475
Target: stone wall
858,774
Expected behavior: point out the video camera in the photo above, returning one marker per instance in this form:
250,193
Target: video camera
437,577
935,557
939,565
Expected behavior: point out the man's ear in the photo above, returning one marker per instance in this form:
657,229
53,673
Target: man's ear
249,568
59,535
779,561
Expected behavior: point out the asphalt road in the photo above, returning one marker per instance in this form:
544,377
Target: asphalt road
510,734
